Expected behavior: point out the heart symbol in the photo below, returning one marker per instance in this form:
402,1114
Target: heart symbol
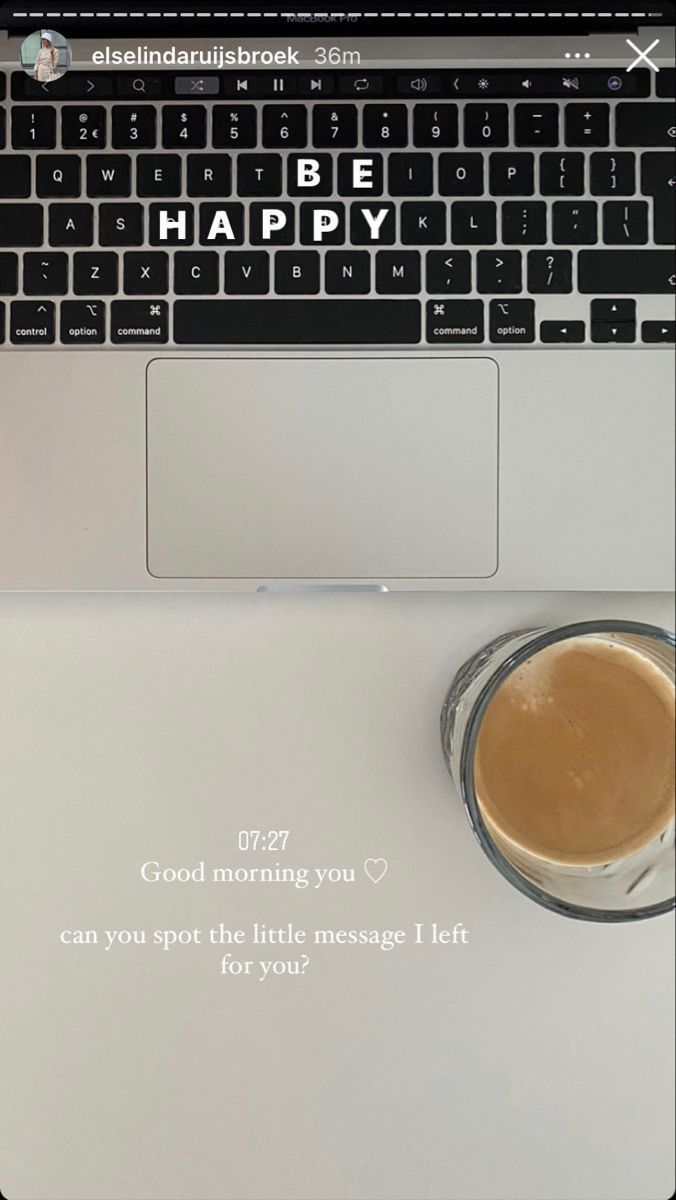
375,868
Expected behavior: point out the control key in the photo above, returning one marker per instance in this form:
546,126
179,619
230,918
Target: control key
32,322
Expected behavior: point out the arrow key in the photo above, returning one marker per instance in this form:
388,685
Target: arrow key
608,331
615,312
658,331
562,331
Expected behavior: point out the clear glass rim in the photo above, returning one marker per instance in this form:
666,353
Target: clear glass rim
540,641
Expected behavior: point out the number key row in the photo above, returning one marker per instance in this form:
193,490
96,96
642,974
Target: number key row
382,125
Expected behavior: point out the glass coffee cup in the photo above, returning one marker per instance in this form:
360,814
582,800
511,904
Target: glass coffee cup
560,743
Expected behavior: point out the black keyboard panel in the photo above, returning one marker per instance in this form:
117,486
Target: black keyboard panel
446,208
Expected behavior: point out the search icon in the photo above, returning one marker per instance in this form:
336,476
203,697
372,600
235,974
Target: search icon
139,85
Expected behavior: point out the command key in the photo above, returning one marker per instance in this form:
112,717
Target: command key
455,322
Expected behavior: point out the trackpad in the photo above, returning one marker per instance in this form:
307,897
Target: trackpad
322,468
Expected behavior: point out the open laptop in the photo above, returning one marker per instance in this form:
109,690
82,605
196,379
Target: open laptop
329,298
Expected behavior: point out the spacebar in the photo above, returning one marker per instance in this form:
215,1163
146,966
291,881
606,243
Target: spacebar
297,322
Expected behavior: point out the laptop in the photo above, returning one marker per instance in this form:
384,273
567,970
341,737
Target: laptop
320,298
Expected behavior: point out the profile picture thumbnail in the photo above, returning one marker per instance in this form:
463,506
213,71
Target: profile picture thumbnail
45,55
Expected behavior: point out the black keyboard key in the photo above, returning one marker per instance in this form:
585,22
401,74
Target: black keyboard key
606,331
222,224
9,274
108,175
613,311
83,128
385,125
645,124
552,332
138,322
397,272
322,224
625,222
71,224
629,272
449,272
45,274
134,128
83,322
31,322
120,224
587,124
666,83
58,176
145,273
486,125
461,174
158,175
511,174
658,331
21,224
536,125
310,175
235,127
435,125
184,128
209,175
347,272
455,322
574,222
2,322
15,177
562,174
372,224
284,126
473,223
424,224
272,225
247,272
259,175
410,174
658,179
499,272
612,174
297,272
195,272
512,321
170,224
94,273
296,322
550,272
335,125
360,174
33,128
658,172
524,223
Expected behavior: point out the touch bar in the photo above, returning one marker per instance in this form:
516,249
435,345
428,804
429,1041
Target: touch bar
296,322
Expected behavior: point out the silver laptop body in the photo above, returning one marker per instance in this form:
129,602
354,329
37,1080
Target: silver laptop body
380,301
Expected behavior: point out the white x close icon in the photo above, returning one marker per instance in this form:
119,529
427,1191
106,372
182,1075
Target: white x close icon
643,55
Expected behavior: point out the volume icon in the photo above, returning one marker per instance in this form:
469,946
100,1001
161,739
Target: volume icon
419,84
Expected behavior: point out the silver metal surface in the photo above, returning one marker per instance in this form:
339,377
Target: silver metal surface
586,468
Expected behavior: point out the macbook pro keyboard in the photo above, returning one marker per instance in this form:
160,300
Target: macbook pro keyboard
449,208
